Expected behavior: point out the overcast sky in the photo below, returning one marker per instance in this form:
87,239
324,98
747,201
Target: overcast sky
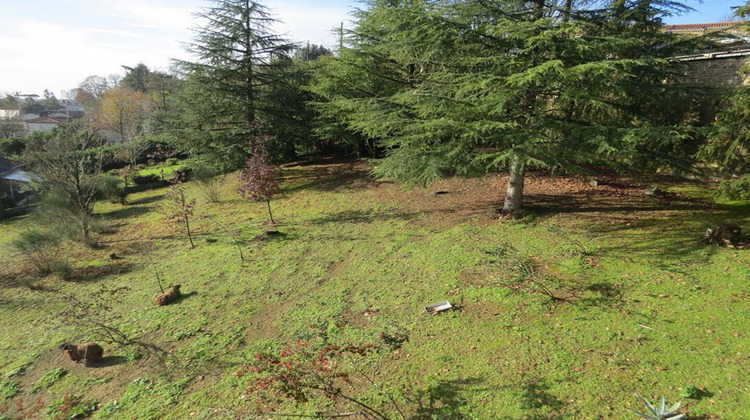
56,44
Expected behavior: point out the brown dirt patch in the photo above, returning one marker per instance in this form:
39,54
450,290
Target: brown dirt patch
458,200
113,370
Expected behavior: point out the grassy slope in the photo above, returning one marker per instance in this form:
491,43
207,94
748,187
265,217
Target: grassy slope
649,311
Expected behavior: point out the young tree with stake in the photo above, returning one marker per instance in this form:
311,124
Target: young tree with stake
258,178
179,209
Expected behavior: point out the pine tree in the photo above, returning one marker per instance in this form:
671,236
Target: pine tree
486,85
729,145
236,62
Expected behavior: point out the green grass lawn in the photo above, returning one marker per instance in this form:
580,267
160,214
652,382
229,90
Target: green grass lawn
564,314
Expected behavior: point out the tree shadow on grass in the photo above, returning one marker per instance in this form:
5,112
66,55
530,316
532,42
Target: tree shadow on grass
186,296
127,212
331,177
360,216
601,294
660,229
108,361
535,398
587,202
444,400
146,200
93,273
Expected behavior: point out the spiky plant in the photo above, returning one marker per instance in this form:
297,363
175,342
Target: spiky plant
662,412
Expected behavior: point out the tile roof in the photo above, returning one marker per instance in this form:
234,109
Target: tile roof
43,120
701,26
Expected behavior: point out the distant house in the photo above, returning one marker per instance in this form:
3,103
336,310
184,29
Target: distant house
112,137
41,124
12,181
72,109
731,27
60,116
8,114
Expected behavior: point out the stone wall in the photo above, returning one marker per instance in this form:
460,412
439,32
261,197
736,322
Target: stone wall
720,69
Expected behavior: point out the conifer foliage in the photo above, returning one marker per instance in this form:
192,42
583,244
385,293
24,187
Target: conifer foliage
237,61
484,85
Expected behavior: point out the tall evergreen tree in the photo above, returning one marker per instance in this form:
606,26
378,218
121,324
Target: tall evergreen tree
729,145
237,61
484,85
137,78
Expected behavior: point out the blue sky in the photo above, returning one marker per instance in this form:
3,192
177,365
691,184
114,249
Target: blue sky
56,44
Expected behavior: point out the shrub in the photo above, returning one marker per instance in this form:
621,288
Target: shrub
305,371
210,181
695,392
113,190
662,412
258,179
62,269
41,249
12,147
182,174
145,179
735,189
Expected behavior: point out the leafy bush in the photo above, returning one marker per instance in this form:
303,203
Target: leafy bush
210,181
113,190
41,249
16,371
12,147
735,189
146,179
55,214
108,410
62,269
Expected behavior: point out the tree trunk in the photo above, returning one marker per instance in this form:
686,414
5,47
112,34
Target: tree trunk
268,202
190,236
566,10
538,8
514,193
85,230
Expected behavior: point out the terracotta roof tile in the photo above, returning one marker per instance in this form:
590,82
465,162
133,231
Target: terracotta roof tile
701,26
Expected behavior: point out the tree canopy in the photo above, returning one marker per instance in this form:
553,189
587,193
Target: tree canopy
69,161
480,85
238,59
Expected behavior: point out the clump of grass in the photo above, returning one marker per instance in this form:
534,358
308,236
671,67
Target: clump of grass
71,407
49,379
525,276
41,249
694,392
17,371
580,248
9,389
